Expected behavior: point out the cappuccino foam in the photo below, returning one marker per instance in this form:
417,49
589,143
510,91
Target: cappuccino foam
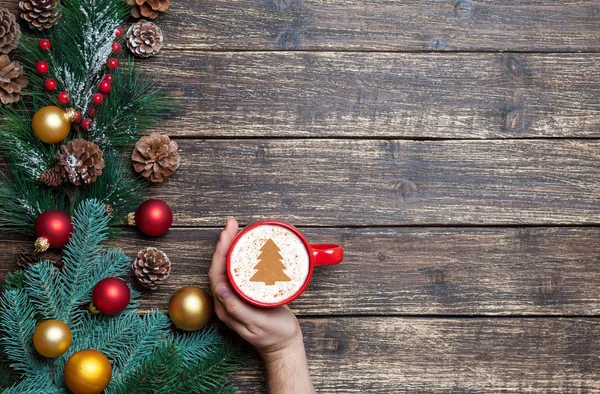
286,263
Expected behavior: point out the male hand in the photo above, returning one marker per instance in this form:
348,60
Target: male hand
274,332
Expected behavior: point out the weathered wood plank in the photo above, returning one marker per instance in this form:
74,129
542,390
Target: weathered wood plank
408,95
382,25
374,182
458,271
396,355
439,25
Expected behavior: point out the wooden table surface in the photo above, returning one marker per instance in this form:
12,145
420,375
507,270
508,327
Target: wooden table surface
451,147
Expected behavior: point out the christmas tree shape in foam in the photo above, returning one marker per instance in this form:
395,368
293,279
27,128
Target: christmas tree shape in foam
270,268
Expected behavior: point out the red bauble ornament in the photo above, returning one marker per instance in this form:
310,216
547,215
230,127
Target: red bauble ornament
104,86
41,67
112,63
77,117
52,229
86,124
109,78
116,48
153,217
111,295
119,32
97,98
92,111
50,84
44,45
63,98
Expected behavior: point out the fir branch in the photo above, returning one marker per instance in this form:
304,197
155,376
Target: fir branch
83,43
46,290
117,186
17,325
14,280
211,373
23,201
7,378
35,383
26,152
197,345
155,330
134,105
90,227
157,374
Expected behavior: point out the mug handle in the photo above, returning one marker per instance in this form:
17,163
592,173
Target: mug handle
327,254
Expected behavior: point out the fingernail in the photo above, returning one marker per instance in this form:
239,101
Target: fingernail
222,292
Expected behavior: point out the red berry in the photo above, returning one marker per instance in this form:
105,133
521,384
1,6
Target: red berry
97,98
119,32
109,78
104,87
112,63
92,111
45,45
50,84
77,117
41,67
116,48
63,98
86,124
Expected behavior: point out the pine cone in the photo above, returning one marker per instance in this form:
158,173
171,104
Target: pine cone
40,14
148,8
27,258
151,267
144,38
9,31
11,80
80,161
52,177
155,157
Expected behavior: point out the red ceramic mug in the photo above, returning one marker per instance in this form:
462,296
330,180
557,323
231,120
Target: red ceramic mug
270,262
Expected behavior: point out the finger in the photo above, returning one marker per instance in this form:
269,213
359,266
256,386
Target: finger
226,318
218,267
233,304
231,227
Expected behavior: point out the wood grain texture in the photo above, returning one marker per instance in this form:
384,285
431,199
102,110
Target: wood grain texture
434,271
396,25
391,95
396,355
380,25
374,182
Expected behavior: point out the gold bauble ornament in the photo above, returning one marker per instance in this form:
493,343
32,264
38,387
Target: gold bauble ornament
87,372
52,338
190,308
52,124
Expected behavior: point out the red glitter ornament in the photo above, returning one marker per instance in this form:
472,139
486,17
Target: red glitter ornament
111,295
154,217
91,111
86,124
52,229
97,98
41,67
50,84
63,98
112,63
44,45
119,32
104,87
116,48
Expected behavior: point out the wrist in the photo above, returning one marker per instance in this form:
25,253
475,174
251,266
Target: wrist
289,350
